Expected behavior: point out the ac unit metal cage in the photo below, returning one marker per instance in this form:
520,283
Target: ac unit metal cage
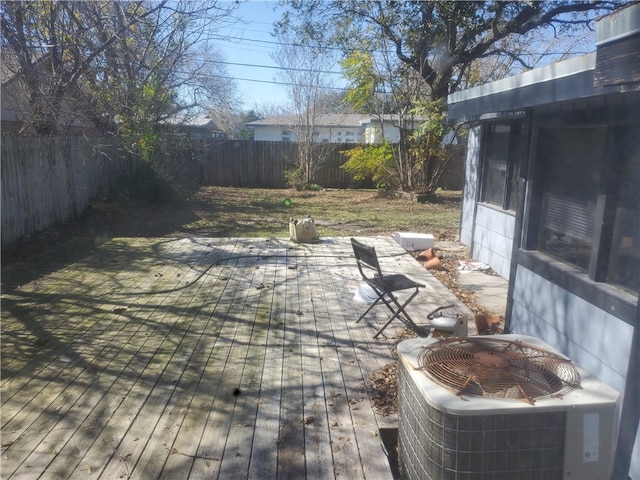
445,435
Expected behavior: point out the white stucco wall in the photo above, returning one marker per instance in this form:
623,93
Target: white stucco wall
269,134
373,133
341,135
334,134
325,134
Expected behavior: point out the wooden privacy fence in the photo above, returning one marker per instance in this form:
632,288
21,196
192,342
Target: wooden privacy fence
252,164
47,181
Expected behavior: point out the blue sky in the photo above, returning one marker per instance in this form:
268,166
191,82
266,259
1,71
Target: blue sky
250,42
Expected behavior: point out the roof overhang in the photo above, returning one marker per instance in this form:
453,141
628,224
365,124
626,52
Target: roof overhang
613,69
562,81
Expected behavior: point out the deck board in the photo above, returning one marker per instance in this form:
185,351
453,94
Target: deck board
199,358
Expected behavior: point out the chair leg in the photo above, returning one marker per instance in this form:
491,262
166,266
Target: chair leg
369,309
399,313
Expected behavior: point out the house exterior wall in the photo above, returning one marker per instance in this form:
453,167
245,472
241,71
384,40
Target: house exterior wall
268,133
341,135
486,230
594,339
271,133
471,182
373,133
568,227
572,325
338,129
493,238
16,115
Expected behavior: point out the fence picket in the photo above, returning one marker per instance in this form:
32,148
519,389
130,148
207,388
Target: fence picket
47,181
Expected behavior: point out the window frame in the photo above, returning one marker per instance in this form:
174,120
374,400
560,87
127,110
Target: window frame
515,149
592,285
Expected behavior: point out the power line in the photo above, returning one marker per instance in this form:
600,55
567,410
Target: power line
275,67
285,44
276,83
229,38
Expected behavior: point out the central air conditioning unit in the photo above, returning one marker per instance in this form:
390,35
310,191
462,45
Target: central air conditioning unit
501,407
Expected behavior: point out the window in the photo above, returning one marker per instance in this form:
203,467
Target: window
572,159
503,145
623,262
589,178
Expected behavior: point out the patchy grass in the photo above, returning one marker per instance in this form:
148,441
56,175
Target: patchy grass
240,212
262,213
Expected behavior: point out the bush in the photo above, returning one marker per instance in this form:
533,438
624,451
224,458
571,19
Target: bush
374,161
146,186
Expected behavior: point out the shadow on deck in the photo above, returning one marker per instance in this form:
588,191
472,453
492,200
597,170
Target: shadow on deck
200,357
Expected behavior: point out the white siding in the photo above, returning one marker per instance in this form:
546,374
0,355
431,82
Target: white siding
269,133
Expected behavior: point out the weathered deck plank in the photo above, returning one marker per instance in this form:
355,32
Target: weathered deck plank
198,358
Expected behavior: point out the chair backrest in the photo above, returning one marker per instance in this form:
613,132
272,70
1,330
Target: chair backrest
367,259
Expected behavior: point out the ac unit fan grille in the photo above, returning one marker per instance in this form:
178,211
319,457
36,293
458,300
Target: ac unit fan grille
492,367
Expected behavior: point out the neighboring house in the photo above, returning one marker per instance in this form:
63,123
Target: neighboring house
552,203
15,113
331,128
199,126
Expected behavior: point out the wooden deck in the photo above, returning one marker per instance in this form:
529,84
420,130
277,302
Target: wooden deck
198,358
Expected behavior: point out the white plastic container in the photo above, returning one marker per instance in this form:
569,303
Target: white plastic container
365,294
411,241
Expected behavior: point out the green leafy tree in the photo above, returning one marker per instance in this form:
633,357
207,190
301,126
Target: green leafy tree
432,144
363,94
375,161
440,41
387,90
128,66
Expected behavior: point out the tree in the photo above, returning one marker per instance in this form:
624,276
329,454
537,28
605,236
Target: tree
233,124
307,73
128,63
441,41
380,87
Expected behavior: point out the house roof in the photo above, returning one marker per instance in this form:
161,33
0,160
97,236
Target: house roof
8,65
600,73
560,81
201,120
329,120
325,120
